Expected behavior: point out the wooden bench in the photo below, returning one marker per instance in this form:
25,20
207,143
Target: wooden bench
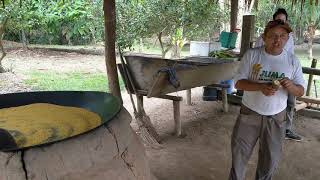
300,105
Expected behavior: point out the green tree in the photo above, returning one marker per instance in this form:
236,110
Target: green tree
178,20
131,22
56,21
303,17
310,16
3,23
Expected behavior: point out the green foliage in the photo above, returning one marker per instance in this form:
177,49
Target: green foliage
298,18
82,21
202,18
310,14
56,21
265,11
178,20
131,23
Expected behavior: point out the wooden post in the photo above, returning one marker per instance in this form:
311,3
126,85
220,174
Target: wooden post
247,33
140,103
233,14
313,65
110,54
188,95
176,117
225,100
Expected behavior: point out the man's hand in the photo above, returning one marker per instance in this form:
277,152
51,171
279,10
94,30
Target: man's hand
247,85
296,90
268,89
287,83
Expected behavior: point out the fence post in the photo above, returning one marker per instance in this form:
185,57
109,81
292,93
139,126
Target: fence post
313,65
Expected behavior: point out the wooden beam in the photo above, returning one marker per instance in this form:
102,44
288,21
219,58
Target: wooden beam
188,96
173,98
234,14
314,71
176,118
310,113
110,54
300,105
247,33
309,100
225,100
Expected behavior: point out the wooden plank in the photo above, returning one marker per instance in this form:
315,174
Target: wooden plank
314,71
176,117
140,103
174,98
300,105
247,33
309,99
310,113
110,54
125,78
225,100
188,96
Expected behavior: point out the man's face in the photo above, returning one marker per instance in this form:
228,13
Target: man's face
275,39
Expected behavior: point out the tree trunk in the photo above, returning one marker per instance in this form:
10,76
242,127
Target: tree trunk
299,35
163,49
93,34
222,5
140,45
310,56
3,53
310,36
234,14
24,39
176,51
251,5
110,54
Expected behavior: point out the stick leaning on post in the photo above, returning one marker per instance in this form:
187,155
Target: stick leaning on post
148,132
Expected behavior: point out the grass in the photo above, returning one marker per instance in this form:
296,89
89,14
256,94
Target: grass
72,81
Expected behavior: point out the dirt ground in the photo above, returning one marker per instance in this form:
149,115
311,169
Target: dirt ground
204,153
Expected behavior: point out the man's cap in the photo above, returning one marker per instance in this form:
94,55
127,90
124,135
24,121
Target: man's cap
277,23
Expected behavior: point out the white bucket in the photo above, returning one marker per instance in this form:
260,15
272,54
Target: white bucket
201,48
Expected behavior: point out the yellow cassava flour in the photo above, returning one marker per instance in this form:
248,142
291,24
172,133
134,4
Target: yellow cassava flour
39,123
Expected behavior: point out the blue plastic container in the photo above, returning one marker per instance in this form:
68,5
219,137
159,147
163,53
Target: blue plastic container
231,83
228,39
210,94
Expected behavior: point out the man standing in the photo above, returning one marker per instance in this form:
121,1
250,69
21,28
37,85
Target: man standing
281,14
266,75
